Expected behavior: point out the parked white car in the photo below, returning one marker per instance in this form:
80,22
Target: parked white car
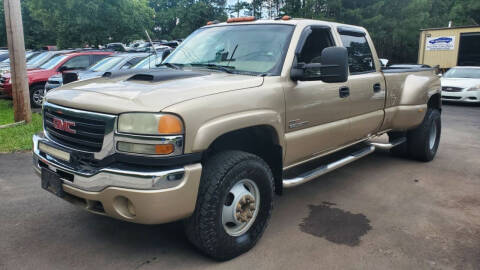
461,84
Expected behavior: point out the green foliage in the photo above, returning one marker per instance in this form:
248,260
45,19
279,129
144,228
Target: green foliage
393,24
18,137
3,34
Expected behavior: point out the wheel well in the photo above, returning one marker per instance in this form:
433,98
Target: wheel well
37,84
258,140
435,102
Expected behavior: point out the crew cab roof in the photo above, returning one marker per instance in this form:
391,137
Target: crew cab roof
293,21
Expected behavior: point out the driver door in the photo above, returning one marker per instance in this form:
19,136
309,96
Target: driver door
316,112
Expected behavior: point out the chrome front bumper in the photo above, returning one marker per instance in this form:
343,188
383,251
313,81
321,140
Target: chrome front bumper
99,179
139,196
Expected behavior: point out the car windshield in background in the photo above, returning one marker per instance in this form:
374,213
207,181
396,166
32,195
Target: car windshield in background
53,62
463,73
38,58
150,62
106,64
258,49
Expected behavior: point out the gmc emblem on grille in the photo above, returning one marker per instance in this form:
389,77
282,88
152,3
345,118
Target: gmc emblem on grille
64,125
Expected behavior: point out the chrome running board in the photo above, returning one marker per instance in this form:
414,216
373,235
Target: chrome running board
310,175
390,145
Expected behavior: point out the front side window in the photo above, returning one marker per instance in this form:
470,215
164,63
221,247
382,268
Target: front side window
258,49
360,58
318,40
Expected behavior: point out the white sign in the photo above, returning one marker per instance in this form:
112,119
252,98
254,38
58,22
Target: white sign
440,43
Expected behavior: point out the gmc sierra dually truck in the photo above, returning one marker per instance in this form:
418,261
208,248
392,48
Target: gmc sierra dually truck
238,112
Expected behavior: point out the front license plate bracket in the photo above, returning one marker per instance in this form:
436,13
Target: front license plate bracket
51,182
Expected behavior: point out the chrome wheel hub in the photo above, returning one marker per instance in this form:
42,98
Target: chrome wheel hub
37,96
240,207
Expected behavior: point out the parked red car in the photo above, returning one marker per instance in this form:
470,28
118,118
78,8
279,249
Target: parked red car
38,77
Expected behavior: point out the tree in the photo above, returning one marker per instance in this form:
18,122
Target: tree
237,8
3,32
77,23
177,19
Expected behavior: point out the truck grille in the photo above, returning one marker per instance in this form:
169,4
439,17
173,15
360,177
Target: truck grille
451,89
74,131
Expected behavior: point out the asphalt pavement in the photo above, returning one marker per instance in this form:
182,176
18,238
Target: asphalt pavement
379,212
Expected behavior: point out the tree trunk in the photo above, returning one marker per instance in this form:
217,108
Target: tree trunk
16,48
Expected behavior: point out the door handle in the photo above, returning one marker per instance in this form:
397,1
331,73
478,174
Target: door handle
344,92
377,88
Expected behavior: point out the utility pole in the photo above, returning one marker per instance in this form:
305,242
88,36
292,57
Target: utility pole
18,71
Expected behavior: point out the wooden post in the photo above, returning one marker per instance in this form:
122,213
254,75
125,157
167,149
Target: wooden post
18,71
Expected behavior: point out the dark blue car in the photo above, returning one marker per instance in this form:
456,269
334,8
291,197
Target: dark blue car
441,40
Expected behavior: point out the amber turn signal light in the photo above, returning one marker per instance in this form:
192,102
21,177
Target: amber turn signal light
164,149
169,124
241,19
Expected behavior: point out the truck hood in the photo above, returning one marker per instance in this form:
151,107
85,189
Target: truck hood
123,94
460,82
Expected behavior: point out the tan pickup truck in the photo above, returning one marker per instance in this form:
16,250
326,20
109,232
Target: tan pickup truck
238,112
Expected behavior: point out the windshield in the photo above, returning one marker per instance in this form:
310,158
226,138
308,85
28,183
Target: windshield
53,62
463,73
249,48
106,64
150,62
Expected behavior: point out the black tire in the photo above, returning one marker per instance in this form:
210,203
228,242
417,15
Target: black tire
34,92
399,150
221,172
419,146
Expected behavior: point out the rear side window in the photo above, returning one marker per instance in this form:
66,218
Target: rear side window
78,62
360,59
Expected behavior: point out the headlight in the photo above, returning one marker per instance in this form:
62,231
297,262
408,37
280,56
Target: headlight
152,134
474,88
150,124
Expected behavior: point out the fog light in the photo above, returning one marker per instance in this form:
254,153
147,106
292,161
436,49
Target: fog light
150,149
124,207
131,208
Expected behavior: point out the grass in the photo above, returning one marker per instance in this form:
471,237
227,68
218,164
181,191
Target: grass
17,138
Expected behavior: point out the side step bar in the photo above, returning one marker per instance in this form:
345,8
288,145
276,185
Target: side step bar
310,175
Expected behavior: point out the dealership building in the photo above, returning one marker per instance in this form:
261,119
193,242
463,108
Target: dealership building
450,46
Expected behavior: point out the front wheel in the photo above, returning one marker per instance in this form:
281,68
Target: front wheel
36,96
234,204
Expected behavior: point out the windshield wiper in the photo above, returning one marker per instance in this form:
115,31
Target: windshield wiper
227,69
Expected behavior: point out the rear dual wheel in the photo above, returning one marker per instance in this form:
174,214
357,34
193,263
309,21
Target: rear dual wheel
422,142
234,204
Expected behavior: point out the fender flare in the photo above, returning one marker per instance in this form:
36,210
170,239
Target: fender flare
214,128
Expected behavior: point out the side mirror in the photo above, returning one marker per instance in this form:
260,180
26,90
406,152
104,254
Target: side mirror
333,67
69,77
63,68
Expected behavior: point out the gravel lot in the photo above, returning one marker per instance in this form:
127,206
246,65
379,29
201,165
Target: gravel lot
377,213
